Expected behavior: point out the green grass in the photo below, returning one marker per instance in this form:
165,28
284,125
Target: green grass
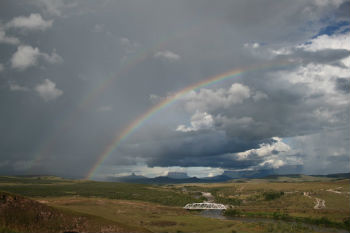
111,190
159,208
159,218
265,196
13,180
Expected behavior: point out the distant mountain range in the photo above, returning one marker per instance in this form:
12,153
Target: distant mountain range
169,179
179,178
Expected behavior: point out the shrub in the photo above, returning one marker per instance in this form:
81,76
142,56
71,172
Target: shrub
271,195
232,213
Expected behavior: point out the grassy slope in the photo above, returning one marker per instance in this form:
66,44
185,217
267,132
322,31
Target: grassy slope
20,214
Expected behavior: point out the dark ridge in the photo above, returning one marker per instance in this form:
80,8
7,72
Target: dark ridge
336,175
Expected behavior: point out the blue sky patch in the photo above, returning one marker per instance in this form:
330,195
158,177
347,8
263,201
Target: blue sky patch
338,27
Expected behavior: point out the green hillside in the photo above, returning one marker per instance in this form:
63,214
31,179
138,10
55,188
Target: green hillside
20,214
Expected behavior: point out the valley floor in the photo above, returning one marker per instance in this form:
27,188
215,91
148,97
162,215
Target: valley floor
253,205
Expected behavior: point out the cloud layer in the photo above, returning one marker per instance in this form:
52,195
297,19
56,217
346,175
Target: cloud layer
32,22
76,74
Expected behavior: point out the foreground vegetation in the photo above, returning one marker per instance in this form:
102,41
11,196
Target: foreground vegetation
20,214
255,205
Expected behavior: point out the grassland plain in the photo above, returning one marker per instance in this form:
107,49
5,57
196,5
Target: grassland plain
274,205
42,187
295,199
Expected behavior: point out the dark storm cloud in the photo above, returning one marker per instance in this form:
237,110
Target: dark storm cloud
199,149
53,110
204,161
342,13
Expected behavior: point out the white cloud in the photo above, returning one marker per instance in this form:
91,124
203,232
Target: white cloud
265,149
251,46
336,41
274,163
7,39
167,55
306,51
16,87
208,99
48,91
321,79
200,120
274,155
27,56
24,57
32,22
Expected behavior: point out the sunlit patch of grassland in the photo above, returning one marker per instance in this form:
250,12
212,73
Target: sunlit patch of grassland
160,218
124,191
251,197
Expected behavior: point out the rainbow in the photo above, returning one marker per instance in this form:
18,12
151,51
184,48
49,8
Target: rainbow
68,122
133,126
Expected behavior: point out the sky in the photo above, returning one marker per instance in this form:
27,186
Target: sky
97,89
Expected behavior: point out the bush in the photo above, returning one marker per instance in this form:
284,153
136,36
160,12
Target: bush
272,195
232,213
